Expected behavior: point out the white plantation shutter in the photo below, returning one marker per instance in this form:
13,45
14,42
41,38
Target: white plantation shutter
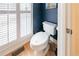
3,29
23,24
25,6
29,23
25,19
3,6
12,7
8,22
12,27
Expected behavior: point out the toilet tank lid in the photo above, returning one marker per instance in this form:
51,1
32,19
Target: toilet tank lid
39,38
46,22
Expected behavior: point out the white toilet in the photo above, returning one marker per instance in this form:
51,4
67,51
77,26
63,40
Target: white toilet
39,41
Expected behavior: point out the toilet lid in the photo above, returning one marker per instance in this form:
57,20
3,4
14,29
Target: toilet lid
39,38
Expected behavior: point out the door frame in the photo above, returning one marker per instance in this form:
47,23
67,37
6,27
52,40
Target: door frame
63,38
68,26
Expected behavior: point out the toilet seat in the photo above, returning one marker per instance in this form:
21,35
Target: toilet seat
39,40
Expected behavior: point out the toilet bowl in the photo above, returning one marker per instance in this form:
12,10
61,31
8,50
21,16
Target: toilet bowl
39,41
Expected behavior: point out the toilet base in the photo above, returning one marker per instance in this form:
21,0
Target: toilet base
41,53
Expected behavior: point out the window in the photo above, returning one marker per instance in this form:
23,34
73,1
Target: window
15,21
25,10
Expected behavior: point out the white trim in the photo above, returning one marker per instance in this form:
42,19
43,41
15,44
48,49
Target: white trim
32,16
18,20
61,29
68,25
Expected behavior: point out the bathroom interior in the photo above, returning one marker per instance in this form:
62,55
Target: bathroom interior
28,29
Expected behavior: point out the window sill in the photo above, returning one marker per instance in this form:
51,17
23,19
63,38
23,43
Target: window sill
9,48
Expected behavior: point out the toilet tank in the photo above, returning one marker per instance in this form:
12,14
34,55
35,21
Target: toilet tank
49,28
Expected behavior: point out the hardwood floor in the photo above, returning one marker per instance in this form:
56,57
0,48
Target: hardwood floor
52,49
29,52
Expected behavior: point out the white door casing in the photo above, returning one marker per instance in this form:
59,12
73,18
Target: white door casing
61,29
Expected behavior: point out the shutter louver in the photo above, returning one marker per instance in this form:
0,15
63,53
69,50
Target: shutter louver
7,23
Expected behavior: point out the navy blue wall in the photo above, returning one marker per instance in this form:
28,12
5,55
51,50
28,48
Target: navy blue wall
51,15
37,17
